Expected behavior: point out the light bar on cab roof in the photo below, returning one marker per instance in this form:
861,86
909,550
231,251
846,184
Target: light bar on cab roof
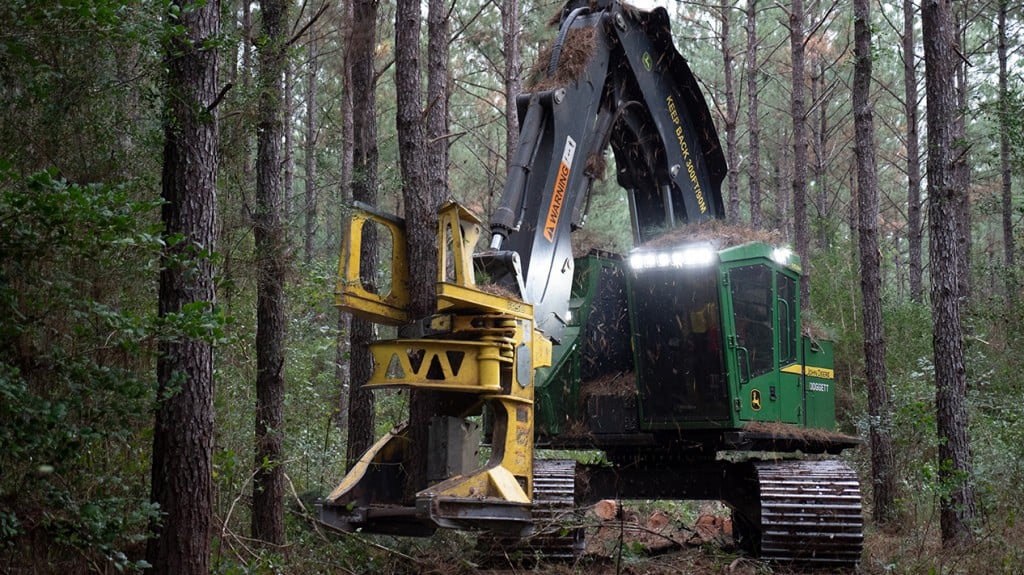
781,256
690,256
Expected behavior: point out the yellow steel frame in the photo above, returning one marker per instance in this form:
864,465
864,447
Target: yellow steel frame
490,350
390,308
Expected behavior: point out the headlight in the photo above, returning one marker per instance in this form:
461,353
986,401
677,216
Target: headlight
781,256
690,256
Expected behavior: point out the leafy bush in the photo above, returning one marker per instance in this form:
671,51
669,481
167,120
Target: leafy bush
77,286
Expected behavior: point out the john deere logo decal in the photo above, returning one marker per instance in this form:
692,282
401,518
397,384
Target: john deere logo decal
648,61
755,399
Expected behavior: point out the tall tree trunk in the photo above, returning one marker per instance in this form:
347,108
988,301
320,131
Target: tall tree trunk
958,507
961,152
361,48
247,76
421,205
424,163
799,112
288,152
853,214
782,172
731,115
344,321
246,41
438,94
513,70
819,131
1009,255
311,129
910,102
753,119
271,255
183,433
883,473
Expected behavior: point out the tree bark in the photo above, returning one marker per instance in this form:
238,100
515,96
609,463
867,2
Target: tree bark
1005,170
310,205
424,163
420,208
247,77
183,433
819,132
782,172
343,325
799,107
246,42
513,71
731,116
910,102
961,152
753,119
883,473
438,94
421,202
958,507
288,151
362,44
271,255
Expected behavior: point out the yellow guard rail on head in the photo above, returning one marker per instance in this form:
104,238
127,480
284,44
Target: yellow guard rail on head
351,293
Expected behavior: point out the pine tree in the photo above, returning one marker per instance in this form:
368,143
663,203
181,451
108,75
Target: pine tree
958,506
182,468
270,242
798,106
883,473
361,49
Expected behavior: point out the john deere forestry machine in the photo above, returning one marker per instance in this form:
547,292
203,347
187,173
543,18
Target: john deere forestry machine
684,362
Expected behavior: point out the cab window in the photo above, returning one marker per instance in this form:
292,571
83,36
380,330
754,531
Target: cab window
752,312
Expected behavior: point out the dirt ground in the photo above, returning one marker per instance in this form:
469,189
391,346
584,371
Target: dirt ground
630,541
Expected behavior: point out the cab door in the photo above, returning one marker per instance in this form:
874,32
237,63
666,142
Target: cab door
764,344
752,345
791,378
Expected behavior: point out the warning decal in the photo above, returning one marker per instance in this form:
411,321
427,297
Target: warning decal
561,183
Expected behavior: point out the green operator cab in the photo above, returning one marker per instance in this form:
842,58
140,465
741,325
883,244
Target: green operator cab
691,337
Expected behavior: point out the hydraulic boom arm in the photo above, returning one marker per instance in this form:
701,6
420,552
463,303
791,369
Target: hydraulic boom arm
614,77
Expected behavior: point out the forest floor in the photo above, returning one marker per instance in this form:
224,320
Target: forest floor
661,538
637,546
637,541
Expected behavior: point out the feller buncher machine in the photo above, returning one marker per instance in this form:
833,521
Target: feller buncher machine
684,362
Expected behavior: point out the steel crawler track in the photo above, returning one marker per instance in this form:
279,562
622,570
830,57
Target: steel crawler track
801,512
810,512
557,535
